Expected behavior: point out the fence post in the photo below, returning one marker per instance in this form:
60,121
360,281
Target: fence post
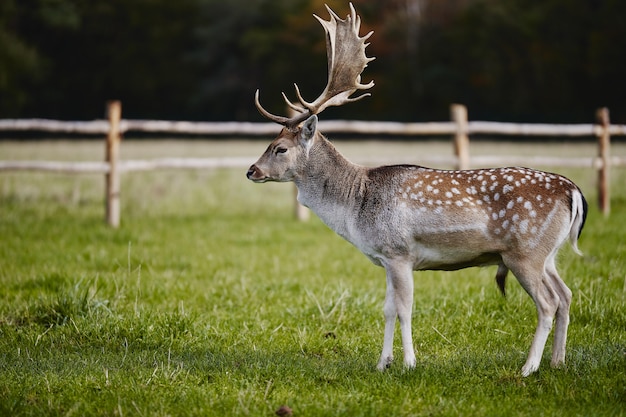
604,153
112,178
458,114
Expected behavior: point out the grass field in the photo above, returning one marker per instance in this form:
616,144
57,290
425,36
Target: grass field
212,300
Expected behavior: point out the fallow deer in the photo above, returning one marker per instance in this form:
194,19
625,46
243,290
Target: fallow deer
406,218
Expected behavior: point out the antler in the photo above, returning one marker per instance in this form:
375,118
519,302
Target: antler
346,61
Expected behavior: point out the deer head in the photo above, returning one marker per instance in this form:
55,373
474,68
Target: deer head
346,61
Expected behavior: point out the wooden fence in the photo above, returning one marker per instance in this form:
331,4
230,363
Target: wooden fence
459,128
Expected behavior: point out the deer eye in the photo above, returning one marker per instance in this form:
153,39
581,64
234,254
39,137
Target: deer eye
280,149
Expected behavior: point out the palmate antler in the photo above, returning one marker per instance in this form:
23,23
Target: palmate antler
346,61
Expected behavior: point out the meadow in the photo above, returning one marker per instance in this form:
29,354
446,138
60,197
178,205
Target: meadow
211,299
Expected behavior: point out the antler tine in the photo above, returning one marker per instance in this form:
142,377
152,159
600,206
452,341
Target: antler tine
356,19
278,119
291,104
300,99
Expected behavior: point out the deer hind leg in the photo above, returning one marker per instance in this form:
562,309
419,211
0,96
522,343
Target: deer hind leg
398,304
533,277
562,313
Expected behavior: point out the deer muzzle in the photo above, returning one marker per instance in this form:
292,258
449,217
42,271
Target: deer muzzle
256,175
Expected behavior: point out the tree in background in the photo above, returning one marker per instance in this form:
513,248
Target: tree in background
525,60
22,66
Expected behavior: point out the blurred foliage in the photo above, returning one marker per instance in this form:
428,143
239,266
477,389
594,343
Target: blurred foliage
519,60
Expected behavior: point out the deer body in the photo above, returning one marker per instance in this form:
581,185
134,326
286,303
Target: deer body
407,218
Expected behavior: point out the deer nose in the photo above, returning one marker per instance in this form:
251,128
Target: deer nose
251,171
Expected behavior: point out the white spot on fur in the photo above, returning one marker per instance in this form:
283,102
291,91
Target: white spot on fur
523,226
507,188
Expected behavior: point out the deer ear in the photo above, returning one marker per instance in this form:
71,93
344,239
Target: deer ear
309,127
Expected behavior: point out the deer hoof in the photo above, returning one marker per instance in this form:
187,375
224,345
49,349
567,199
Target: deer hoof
384,363
529,368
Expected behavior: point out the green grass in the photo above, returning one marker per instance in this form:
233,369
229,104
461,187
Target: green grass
212,300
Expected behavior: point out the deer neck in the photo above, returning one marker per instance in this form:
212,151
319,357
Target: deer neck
330,185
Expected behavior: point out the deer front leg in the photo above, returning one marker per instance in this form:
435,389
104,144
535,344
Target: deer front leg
398,303
390,312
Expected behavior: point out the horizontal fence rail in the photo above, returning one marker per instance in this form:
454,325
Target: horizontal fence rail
460,128
363,127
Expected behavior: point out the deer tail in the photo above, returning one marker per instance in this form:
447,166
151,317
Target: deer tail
579,215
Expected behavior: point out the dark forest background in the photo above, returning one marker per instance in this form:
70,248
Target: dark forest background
510,60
